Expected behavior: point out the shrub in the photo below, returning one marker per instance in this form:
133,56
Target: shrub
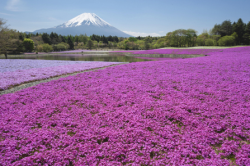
28,44
210,42
39,48
61,46
47,47
226,41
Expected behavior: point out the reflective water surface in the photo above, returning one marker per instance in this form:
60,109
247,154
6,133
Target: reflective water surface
78,57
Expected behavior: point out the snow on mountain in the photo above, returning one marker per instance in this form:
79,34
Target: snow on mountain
87,19
85,23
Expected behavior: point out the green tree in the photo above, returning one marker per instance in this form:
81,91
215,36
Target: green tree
215,37
47,47
201,39
226,41
160,43
146,45
46,38
132,39
223,29
181,38
9,40
191,36
39,48
239,28
70,42
28,44
90,44
210,42
55,39
226,28
61,46
235,35
246,35
216,29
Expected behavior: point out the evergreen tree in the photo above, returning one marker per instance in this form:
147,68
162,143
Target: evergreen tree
110,38
105,40
70,42
116,39
223,29
246,35
77,39
21,36
46,38
90,44
226,28
239,28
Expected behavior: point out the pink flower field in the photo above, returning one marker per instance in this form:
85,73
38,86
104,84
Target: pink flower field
15,72
174,51
171,112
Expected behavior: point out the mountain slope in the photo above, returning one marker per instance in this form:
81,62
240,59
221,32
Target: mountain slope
86,23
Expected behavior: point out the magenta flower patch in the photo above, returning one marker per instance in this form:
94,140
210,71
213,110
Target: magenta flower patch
171,112
175,51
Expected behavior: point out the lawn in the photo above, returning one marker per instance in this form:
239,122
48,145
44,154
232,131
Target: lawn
170,112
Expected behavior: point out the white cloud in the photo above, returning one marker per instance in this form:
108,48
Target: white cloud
142,34
13,5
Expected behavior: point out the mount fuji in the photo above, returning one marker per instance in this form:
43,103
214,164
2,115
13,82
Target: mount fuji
86,23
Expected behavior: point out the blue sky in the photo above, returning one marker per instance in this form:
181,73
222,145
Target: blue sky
137,17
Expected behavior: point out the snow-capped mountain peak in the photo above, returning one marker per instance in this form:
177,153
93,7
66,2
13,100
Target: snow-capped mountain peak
87,19
85,23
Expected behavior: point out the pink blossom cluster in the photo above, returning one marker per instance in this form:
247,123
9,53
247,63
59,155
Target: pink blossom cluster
175,51
173,112
156,58
15,72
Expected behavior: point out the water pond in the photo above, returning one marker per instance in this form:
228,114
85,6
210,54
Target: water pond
79,57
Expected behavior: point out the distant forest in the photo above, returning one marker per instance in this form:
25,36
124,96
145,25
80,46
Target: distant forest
224,34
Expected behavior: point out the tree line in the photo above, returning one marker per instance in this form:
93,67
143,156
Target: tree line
224,34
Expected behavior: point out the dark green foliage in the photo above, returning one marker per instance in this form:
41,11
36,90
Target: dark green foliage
70,42
90,44
227,29
146,45
21,36
132,39
139,37
54,38
46,38
223,29
239,28
246,36
115,39
110,38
